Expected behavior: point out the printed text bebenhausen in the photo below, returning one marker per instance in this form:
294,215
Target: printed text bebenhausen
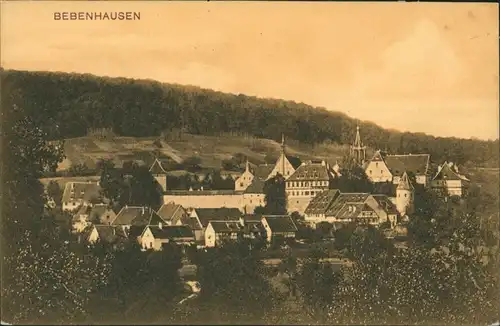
81,15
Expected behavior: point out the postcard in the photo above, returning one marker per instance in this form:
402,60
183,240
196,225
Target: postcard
189,162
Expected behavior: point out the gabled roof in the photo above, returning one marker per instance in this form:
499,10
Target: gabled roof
311,171
280,223
192,222
252,217
211,214
171,232
262,171
446,172
405,183
171,212
344,198
80,191
418,164
378,156
157,168
256,187
235,226
294,161
385,203
136,215
351,210
320,203
109,233
226,226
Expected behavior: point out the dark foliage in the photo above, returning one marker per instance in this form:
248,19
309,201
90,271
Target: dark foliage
276,201
234,287
353,177
131,185
67,105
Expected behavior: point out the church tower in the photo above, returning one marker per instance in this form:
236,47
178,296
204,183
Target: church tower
159,174
245,179
358,151
405,195
285,165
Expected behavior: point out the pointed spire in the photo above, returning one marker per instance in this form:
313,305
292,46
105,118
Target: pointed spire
357,141
405,183
357,149
283,143
283,154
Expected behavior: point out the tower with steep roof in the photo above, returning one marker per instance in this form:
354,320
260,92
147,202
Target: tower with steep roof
405,195
358,150
159,174
245,179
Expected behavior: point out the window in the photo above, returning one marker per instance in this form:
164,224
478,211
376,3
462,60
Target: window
241,184
307,193
376,164
405,195
381,172
370,171
150,245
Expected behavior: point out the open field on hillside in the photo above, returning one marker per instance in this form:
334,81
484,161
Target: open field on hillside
63,180
211,149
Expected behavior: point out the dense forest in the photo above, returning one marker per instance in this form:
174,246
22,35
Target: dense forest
68,105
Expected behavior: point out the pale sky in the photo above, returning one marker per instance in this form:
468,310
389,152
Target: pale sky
421,67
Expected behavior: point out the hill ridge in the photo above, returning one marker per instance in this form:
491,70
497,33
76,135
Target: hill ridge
68,104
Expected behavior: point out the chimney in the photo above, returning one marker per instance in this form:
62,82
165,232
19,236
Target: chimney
323,163
242,221
142,210
201,188
160,225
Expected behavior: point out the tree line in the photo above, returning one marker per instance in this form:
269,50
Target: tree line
68,105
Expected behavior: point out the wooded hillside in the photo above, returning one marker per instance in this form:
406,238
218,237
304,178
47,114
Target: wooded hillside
68,105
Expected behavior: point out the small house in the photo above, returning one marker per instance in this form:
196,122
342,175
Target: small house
219,231
155,236
279,226
77,194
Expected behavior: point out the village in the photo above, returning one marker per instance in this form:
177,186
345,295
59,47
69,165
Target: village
208,218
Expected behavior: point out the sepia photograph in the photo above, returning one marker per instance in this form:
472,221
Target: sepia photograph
249,163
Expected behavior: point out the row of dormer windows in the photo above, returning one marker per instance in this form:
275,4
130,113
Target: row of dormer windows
303,193
297,184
